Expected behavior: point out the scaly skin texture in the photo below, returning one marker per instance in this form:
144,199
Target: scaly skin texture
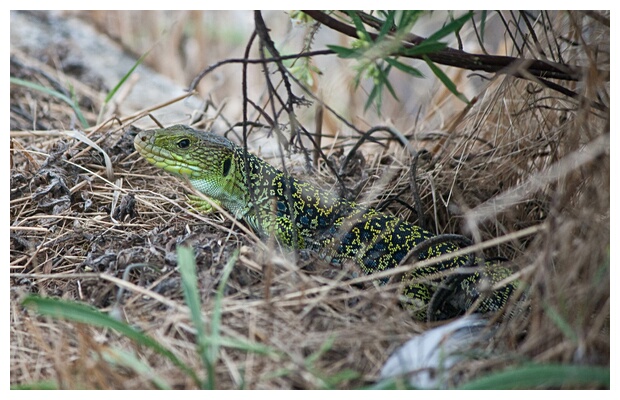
303,216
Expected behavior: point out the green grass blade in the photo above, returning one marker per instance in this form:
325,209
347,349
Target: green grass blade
121,357
124,78
118,85
216,319
53,93
560,322
543,376
41,385
189,282
88,315
340,377
241,345
326,346
389,384
208,345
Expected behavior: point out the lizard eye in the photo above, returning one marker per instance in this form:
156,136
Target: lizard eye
183,143
227,164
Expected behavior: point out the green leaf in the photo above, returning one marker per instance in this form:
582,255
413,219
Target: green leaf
543,376
58,95
404,67
383,76
449,28
374,93
344,52
424,48
359,26
445,79
387,25
407,18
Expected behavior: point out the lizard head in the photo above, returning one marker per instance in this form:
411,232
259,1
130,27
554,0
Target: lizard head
210,162
188,152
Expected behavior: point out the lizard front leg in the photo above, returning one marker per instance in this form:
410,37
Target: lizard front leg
202,205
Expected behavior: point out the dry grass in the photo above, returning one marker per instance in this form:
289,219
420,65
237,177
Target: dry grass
523,165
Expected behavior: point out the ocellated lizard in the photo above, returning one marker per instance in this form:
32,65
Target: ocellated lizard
301,215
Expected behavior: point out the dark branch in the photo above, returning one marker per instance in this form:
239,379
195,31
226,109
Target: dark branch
461,59
246,61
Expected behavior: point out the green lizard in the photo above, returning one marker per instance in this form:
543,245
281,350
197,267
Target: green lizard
303,216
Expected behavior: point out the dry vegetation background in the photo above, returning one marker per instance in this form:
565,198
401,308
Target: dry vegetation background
525,164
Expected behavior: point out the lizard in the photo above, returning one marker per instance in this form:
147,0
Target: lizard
303,216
